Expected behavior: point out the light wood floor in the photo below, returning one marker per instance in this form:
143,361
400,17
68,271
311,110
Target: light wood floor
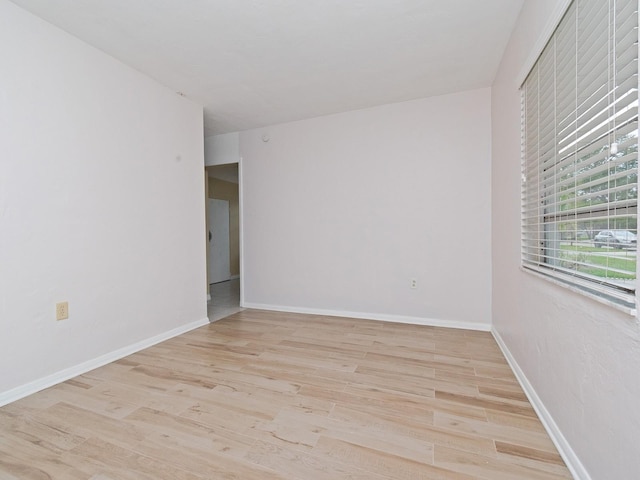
265,395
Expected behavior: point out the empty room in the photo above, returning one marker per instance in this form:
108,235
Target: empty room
299,240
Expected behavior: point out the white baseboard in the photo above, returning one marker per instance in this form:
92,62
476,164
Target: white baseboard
431,322
234,277
84,367
574,464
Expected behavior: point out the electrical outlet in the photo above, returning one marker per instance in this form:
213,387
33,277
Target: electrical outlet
62,310
413,283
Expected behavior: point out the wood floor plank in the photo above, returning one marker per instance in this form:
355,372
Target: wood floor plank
281,396
520,408
381,462
490,468
180,431
42,434
140,397
542,455
295,464
98,456
520,436
408,403
27,459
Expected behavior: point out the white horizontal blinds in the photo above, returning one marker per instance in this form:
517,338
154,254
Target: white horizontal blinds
564,220
532,239
547,151
580,139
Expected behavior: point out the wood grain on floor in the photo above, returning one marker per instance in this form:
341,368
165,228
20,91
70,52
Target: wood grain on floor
267,395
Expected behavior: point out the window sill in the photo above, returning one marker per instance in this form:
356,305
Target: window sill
632,311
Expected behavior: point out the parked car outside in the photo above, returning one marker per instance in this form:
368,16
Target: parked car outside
616,239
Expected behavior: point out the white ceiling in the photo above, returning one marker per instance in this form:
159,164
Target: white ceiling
253,63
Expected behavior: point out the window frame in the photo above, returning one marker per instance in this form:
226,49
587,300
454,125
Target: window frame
606,291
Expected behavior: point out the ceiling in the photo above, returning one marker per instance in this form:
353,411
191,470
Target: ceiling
252,63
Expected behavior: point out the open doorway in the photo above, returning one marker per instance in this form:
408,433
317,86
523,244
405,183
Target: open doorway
223,253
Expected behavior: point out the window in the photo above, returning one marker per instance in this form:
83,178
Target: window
580,152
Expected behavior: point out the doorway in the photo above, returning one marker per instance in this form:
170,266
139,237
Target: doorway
223,252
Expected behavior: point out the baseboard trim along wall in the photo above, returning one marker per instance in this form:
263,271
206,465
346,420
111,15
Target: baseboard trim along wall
430,322
574,464
63,375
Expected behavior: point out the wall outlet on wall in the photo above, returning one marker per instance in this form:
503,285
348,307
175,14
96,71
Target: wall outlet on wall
62,310
413,283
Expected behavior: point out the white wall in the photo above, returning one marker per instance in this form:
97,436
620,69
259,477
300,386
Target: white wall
222,149
101,205
341,211
581,357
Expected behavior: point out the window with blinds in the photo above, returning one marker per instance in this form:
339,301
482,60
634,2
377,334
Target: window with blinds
580,152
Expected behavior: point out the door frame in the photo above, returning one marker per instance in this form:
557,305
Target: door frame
240,226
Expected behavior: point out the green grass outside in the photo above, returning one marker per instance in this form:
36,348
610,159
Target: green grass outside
572,253
580,248
599,272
